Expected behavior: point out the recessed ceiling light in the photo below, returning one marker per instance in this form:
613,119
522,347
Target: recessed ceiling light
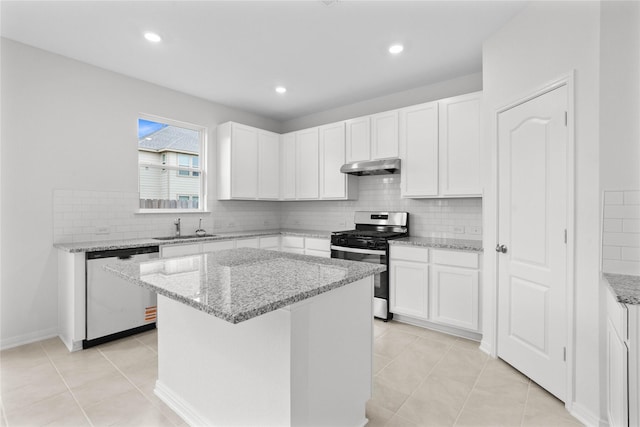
396,49
281,89
152,37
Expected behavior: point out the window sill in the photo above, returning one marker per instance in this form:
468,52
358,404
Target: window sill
171,211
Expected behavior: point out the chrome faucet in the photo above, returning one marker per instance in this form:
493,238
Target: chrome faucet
177,224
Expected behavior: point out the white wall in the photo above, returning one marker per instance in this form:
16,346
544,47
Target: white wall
71,126
545,41
620,95
445,89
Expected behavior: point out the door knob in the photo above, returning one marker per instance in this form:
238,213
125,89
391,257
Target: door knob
501,248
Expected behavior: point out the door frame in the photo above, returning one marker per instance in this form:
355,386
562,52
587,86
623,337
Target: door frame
492,347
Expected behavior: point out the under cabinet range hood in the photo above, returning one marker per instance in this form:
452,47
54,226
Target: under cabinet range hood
372,167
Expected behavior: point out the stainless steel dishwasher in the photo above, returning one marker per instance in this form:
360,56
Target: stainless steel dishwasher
116,308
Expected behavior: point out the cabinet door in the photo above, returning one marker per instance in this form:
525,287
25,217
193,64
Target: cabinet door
454,296
180,250
288,166
419,150
358,139
384,135
333,183
244,162
268,165
270,242
617,375
408,288
307,164
460,146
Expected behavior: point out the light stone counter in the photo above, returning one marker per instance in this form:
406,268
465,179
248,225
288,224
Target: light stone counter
239,284
626,288
105,245
440,243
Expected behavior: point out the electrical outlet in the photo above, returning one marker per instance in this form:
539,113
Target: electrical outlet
458,229
102,230
474,230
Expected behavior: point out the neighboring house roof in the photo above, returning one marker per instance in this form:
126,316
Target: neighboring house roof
171,138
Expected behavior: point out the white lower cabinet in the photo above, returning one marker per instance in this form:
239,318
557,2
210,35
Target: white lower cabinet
623,377
410,284
307,246
271,242
437,286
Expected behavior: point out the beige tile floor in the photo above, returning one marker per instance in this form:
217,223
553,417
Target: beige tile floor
421,377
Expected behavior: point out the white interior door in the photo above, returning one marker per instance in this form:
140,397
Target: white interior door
532,147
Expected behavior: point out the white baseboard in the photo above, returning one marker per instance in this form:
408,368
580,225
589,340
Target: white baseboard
586,416
6,343
474,336
179,406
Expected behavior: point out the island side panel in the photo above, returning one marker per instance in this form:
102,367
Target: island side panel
215,373
332,357
305,364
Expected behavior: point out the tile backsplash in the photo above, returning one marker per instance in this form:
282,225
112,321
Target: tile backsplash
450,218
621,232
84,215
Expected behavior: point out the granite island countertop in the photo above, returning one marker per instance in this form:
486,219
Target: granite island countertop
440,243
238,284
105,245
626,288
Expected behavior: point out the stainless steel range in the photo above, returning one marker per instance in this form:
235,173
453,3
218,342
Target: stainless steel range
369,243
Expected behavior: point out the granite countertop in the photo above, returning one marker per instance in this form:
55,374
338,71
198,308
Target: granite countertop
105,245
626,288
239,284
440,243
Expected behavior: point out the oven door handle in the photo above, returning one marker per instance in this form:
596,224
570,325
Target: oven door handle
357,250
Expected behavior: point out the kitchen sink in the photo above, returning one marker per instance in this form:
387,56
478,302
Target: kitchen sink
192,236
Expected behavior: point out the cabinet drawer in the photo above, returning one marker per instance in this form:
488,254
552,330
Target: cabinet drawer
293,242
409,253
270,242
247,243
317,244
218,246
312,252
180,250
454,258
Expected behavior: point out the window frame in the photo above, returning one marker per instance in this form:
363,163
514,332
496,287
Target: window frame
203,156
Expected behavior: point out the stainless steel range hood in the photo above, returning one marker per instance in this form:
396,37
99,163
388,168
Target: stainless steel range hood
372,167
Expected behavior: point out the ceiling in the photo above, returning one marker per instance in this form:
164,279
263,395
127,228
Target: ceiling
236,52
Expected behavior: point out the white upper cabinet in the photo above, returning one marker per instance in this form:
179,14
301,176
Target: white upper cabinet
384,135
307,164
419,150
288,166
334,185
268,165
358,139
237,161
460,145
440,148
372,137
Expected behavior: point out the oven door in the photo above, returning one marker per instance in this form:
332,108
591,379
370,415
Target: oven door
380,281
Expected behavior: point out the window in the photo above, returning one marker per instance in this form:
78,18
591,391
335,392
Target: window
171,175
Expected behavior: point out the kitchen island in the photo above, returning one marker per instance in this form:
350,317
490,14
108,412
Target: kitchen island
257,337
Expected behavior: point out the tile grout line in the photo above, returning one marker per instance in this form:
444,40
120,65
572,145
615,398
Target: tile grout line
421,382
66,385
475,383
134,384
526,402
